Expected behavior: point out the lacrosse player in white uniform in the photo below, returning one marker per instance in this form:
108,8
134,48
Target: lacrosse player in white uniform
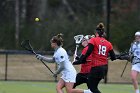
65,67
135,55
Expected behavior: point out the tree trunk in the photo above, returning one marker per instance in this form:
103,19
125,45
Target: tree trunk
104,9
71,12
42,8
17,23
23,10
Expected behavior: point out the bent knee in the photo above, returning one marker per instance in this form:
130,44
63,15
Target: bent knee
69,91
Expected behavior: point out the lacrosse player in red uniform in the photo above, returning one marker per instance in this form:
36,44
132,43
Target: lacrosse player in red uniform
82,76
99,48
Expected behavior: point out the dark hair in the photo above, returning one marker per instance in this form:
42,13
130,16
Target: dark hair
57,39
100,29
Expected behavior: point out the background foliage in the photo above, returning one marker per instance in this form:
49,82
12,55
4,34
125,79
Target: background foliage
70,17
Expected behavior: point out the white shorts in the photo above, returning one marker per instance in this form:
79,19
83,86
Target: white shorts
69,76
136,67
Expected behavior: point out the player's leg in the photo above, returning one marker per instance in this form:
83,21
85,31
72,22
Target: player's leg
87,75
69,86
93,84
134,75
69,78
60,85
80,79
69,90
95,76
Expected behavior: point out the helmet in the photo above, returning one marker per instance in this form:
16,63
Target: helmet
137,33
87,37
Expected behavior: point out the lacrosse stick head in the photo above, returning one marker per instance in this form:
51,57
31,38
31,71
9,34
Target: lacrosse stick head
78,39
26,45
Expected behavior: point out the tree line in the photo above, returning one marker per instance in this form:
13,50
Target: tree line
70,17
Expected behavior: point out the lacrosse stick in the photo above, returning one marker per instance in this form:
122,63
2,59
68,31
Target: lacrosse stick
124,68
123,56
26,45
78,40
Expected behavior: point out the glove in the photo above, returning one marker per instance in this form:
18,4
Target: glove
118,57
76,63
39,57
83,59
77,58
55,75
125,57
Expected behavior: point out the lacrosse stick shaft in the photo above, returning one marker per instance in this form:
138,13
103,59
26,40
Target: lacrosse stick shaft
124,68
47,67
44,63
26,45
33,52
75,53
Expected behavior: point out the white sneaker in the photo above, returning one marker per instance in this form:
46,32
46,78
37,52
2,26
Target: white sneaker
137,91
87,91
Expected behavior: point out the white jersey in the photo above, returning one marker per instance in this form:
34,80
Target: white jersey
60,55
135,51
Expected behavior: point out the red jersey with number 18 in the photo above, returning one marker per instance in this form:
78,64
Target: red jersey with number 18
100,51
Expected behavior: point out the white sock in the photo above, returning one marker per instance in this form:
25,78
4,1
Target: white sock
137,91
87,91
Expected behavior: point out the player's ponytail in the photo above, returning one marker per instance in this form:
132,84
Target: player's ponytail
57,39
100,29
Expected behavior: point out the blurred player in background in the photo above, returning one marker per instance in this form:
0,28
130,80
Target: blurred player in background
65,67
82,76
135,58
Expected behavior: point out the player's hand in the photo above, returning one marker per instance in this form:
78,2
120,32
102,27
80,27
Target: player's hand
55,75
83,59
77,58
76,62
39,57
118,57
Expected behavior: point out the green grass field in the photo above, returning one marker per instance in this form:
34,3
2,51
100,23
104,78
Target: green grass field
48,87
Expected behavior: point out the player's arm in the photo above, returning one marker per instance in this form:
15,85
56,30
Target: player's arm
46,59
83,58
78,61
112,55
60,68
89,50
124,56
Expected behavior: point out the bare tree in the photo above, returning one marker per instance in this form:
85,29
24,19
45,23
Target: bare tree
71,12
23,9
17,22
